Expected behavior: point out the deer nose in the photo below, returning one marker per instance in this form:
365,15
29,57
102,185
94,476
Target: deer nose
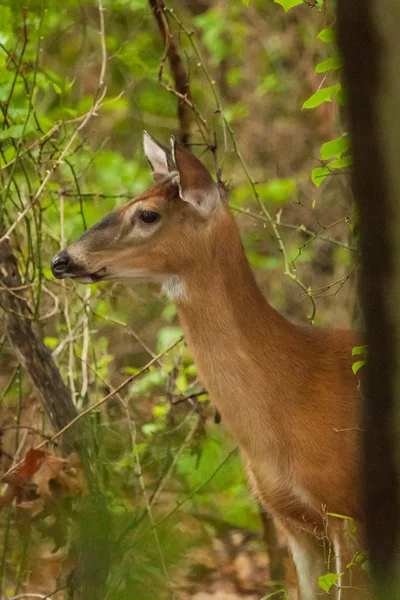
60,263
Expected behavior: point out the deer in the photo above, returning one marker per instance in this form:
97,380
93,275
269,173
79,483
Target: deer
286,393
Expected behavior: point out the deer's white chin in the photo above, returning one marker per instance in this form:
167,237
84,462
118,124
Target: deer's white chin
174,288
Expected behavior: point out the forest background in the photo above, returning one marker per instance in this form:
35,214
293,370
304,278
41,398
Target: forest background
159,506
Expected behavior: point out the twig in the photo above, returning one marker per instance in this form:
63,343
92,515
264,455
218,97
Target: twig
138,469
31,429
171,467
191,495
34,356
66,311
189,35
28,595
189,397
30,106
314,235
97,103
341,281
108,396
85,345
54,310
179,75
65,341
103,45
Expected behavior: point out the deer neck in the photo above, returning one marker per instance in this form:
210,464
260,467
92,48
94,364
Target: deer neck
236,338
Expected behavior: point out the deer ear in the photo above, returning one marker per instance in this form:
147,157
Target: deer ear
158,156
196,185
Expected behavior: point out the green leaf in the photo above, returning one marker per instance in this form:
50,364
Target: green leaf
246,2
319,174
359,350
288,4
57,88
51,342
357,366
15,131
346,161
323,95
331,64
325,582
161,410
341,96
327,35
69,84
335,147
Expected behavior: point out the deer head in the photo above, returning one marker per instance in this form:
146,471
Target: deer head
155,236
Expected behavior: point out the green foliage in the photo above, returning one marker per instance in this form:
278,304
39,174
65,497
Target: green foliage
335,147
356,366
288,4
326,582
319,174
327,35
325,94
223,497
330,64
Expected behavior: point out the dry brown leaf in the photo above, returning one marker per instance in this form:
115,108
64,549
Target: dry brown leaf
38,472
48,570
61,471
8,496
35,506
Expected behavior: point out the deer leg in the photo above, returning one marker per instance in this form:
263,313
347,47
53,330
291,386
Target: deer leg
354,582
312,557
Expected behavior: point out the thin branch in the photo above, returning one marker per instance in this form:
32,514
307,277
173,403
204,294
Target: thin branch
85,345
34,356
139,472
181,80
184,445
97,103
191,495
66,312
300,228
103,45
27,427
112,393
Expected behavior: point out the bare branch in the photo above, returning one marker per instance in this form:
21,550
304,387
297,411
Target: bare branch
31,351
181,80
97,103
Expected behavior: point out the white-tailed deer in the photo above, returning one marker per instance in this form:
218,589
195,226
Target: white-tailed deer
287,394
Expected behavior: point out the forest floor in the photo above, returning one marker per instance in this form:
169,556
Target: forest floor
231,568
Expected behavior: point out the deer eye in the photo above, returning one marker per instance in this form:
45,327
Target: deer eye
149,216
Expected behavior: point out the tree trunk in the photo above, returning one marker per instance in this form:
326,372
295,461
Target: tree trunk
34,356
368,35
